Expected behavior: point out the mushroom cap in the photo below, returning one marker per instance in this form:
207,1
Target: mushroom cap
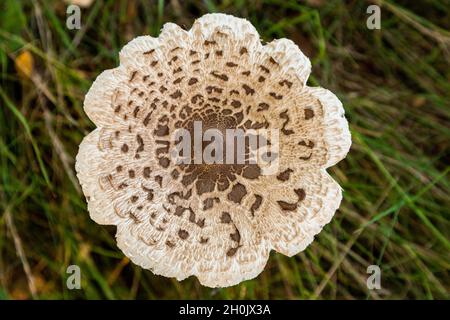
217,222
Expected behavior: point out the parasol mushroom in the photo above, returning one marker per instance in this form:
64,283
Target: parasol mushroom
217,222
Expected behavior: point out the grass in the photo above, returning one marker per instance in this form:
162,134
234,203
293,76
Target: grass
394,84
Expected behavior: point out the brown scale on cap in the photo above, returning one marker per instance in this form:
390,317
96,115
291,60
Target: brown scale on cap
218,220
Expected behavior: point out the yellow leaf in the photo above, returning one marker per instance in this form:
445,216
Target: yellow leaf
24,64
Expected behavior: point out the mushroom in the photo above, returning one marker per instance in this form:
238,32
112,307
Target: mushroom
217,222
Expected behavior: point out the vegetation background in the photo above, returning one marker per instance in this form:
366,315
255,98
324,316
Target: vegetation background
394,84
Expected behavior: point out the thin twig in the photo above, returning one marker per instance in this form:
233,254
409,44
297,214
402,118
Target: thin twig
21,253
